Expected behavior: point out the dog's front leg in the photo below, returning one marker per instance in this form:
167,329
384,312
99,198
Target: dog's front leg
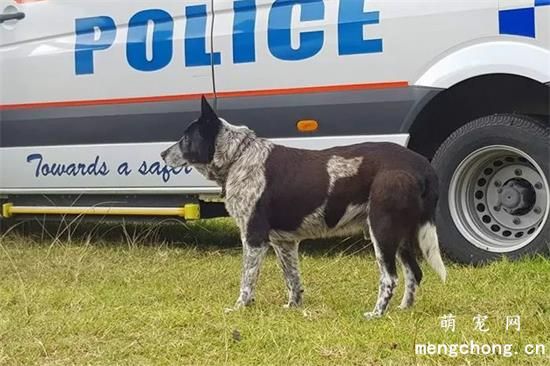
287,253
253,255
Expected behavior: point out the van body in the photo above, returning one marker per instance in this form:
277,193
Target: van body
91,92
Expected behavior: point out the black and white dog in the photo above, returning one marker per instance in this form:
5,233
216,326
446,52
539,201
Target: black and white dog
279,196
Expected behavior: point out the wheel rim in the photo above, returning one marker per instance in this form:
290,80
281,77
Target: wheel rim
499,198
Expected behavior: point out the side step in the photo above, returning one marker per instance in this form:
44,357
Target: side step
190,211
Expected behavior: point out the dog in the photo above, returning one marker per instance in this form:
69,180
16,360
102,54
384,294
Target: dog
279,196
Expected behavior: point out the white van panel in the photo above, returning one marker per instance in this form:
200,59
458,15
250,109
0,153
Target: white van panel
120,168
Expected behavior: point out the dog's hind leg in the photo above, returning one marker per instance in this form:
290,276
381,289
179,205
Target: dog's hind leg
385,251
394,208
411,272
287,254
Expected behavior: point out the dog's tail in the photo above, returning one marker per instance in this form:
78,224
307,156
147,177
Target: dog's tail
429,245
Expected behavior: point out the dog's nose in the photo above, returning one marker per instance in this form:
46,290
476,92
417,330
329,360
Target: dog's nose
163,154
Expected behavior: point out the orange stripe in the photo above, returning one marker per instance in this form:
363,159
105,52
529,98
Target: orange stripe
26,1
315,89
93,102
245,93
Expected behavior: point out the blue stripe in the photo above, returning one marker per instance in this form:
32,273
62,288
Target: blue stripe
519,22
542,2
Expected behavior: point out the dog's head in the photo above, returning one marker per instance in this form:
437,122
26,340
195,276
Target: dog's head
198,144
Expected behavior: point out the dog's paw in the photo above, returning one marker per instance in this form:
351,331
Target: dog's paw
238,305
294,300
233,309
230,310
371,315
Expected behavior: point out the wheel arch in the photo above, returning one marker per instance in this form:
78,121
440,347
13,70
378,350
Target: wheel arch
473,98
487,56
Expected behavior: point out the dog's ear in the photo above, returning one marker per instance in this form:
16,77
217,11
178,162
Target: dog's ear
207,112
209,123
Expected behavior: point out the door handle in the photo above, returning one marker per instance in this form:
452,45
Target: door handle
11,16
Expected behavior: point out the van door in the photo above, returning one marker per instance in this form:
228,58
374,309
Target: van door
92,91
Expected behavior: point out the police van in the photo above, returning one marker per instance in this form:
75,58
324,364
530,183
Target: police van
92,91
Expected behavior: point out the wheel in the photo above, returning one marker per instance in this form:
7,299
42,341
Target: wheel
494,191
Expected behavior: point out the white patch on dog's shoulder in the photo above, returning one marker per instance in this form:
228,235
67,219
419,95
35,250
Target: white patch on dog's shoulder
339,167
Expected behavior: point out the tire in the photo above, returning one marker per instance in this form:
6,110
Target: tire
494,189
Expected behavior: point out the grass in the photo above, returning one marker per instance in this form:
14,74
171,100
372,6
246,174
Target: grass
136,300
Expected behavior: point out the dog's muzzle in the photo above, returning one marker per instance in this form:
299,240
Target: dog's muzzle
172,157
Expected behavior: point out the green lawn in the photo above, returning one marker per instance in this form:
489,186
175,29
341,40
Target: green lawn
134,299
